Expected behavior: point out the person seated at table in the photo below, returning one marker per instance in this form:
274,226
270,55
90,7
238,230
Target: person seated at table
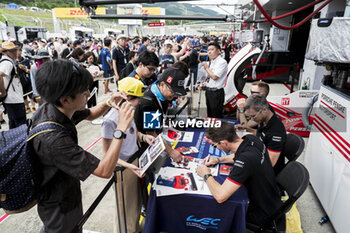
257,88
133,89
270,131
251,168
169,86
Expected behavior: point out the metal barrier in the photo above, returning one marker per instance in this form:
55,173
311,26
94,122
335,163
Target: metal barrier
119,198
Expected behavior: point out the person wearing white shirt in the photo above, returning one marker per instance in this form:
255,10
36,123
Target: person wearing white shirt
10,86
133,88
216,78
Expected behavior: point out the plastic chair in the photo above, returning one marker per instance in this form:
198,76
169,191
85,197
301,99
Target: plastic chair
293,147
294,178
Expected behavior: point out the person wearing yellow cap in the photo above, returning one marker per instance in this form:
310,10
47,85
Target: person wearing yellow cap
134,89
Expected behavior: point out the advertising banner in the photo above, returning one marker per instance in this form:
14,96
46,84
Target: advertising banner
76,12
151,10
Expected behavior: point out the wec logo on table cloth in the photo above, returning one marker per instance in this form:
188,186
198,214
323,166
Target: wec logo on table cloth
151,120
202,223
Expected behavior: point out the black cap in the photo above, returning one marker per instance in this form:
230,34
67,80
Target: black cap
175,78
26,41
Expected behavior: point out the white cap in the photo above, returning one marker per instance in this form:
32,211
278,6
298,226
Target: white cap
121,36
43,40
168,42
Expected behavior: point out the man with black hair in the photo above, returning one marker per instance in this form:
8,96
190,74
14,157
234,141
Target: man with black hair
216,78
62,163
169,86
67,50
136,43
147,65
251,168
77,44
131,66
23,70
88,44
271,130
120,55
106,63
26,43
143,46
193,64
203,55
11,86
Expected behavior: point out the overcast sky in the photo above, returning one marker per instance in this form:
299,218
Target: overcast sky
211,4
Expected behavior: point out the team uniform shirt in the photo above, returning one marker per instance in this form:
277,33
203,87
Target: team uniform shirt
134,75
219,67
15,92
271,108
273,135
147,81
129,146
105,55
252,168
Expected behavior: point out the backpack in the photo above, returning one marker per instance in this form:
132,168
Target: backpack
23,77
19,178
13,74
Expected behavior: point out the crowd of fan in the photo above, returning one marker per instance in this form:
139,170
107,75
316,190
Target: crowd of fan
110,59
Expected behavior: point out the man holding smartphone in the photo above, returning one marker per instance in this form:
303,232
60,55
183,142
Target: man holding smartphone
169,86
62,163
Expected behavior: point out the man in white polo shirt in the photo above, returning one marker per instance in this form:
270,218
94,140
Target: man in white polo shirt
216,78
10,86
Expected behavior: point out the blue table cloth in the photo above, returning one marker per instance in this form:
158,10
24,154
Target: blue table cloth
197,213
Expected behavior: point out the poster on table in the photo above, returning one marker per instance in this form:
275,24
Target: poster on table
151,154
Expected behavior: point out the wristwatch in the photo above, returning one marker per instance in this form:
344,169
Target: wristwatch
118,134
240,110
206,176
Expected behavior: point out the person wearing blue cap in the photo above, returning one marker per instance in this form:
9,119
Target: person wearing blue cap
180,41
